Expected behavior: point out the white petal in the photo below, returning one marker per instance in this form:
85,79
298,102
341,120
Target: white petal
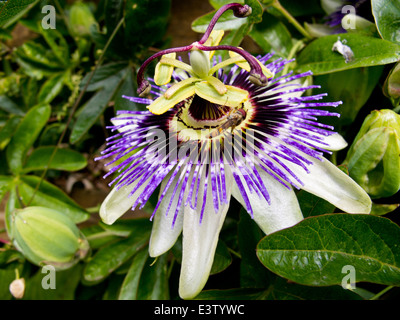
163,235
331,6
318,30
200,242
284,210
327,181
335,142
116,204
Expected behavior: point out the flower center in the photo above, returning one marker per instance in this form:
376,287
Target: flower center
200,119
205,113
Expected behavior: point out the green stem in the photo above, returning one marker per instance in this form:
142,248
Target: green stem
291,19
379,294
397,109
235,253
334,158
62,13
78,100
296,47
94,209
171,267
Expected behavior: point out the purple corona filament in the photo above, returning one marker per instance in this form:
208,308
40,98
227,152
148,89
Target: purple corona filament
283,128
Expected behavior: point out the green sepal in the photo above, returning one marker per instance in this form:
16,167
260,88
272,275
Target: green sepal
164,71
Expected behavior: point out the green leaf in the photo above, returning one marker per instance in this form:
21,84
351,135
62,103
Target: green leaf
219,3
226,22
92,110
153,283
127,88
145,22
25,135
256,11
12,10
353,87
234,38
379,209
7,131
284,290
387,19
314,251
66,282
280,290
222,258
114,11
10,255
11,205
368,51
10,106
57,43
29,91
312,205
98,237
231,294
125,227
5,185
36,60
63,159
102,75
109,258
298,8
130,286
272,34
252,272
48,195
51,87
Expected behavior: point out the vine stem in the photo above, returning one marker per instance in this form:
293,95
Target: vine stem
296,47
75,106
379,294
276,4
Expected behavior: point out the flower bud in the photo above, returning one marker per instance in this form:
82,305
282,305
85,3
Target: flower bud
391,87
81,19
46,236
373,159
17,288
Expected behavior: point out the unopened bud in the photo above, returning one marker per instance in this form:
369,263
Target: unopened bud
81,19
46,236
373,159
391,87
241,12
17,288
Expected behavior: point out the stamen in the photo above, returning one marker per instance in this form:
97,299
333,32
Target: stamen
256,73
